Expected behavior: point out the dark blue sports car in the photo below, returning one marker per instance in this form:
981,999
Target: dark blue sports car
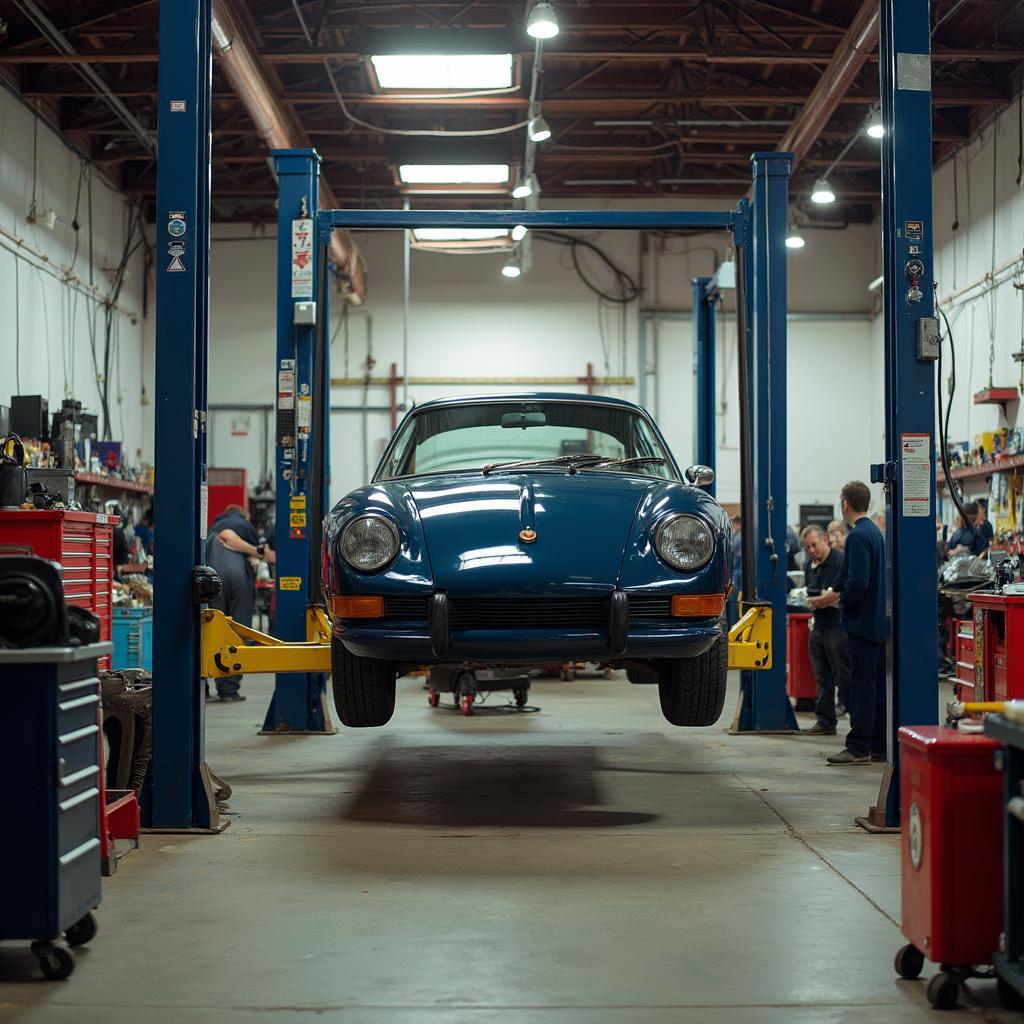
517,530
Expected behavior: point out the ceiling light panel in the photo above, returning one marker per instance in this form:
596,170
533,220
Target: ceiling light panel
454,174
459,234
444,71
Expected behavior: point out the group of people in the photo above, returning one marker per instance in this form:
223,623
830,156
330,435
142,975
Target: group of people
845,575
973,536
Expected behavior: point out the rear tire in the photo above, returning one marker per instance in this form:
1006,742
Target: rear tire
364,688
692,690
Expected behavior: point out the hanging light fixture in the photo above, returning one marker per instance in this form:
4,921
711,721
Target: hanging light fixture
538,129
794,240
875,127
525,188
512,268
519,232
822,193
542,22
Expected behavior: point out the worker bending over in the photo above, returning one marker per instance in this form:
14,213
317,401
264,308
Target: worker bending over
969,539
830,657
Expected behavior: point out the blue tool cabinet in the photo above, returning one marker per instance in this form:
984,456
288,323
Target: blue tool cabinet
51,755
132,633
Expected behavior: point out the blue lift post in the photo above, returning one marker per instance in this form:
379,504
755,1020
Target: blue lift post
764,704
704,360
909,309
298,704
180,797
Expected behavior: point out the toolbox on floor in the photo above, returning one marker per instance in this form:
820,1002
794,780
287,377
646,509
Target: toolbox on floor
51,752
951,865
800,685
132,633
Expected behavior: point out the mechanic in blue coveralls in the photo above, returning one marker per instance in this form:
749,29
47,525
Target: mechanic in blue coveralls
234,549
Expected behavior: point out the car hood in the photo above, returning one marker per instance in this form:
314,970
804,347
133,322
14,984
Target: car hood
473,530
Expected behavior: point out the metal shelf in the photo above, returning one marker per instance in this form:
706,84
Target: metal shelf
113,484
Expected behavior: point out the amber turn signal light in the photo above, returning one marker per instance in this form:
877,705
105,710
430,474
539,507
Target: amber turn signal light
348,607
697,606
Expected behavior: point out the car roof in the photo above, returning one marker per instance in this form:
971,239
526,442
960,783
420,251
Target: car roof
530,396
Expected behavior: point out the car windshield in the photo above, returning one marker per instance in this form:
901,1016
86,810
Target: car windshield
558,435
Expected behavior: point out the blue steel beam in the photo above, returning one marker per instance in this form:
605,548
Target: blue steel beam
704,405
298,704
765,707
179,795
909,471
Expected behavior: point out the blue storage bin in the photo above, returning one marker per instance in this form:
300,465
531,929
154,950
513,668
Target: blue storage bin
132,633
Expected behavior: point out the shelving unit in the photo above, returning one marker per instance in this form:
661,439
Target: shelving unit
988,469
113,484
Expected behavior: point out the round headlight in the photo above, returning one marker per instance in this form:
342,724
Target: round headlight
369,543
684,542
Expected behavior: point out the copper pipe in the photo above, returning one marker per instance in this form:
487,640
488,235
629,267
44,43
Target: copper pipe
277,126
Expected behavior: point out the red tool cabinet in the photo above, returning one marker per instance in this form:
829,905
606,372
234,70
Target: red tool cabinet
952,861
83,544
998,647
800,683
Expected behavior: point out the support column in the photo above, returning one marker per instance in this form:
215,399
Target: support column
909,470
180,795
764,704
704,364
298,704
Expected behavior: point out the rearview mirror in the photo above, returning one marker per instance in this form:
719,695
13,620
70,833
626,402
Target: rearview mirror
524,419
700,476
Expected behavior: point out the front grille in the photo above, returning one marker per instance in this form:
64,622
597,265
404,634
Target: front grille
406,609
530,613
650,606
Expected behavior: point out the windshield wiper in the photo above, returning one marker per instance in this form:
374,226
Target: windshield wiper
637,460
572,461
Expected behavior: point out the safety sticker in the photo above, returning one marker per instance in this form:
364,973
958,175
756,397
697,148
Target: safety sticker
297,501
290,583
179,106
304,414
286,384
175,250
302,259
916,469
913,230
297,519
204,510
297,533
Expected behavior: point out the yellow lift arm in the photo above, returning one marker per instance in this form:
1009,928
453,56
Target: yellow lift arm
231,649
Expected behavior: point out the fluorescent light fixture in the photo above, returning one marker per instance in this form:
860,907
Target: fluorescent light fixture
519,232
458,234
525,188
875,127
453,174
443,71
822,193
512,268
794,240
542,22
538,129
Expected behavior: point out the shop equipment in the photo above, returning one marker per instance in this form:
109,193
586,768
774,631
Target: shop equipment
30,416
952,903
132,633
800,684
465,684
51,748
998,647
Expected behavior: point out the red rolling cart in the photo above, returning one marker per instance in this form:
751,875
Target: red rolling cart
998,647
800,685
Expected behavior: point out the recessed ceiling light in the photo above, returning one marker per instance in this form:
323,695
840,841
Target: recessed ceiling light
458,234
443,71
453,174
542,22
822,193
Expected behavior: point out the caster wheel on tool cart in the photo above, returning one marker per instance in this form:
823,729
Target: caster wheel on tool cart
466,704
568,675
943,991
433,697
521,697
1009,997
82,931
56,963
909,962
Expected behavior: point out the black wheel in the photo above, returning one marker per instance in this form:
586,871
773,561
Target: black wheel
433,697
82,931
1009,997
692,690
521,697
58,963
909,962
943,991
364,688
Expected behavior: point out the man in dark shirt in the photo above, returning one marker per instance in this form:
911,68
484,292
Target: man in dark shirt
830,658
969,538
982,523
861,599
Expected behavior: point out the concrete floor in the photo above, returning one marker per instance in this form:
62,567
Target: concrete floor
587,864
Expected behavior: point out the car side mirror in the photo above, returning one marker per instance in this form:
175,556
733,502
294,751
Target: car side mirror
700,476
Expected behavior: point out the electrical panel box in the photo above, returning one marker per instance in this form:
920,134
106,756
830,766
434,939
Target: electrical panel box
304,314
928,339
30,416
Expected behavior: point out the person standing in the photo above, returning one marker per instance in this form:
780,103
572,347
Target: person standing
233,548
860,594
983,524
830,657
837,534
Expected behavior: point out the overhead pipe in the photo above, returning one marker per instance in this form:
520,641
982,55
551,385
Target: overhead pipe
857,46
277,126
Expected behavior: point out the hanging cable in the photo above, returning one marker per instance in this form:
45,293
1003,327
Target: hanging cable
954,491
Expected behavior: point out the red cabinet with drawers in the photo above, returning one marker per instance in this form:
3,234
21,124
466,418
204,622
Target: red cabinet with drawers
998,647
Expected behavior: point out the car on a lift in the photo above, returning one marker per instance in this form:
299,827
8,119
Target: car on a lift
520,530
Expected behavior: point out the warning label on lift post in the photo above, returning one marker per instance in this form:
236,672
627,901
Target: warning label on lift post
302,258
916,469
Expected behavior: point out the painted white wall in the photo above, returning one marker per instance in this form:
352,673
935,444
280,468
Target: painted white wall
467,320
46,326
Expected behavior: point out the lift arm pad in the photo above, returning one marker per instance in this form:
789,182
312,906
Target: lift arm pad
750,640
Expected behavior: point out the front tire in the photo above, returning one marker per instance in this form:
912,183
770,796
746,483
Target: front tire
692,690
364,688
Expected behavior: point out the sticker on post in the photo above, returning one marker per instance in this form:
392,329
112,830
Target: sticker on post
179,106
297,501
304,416
916,474
913,230
297,533
296,518
290,583
302,258
175,250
